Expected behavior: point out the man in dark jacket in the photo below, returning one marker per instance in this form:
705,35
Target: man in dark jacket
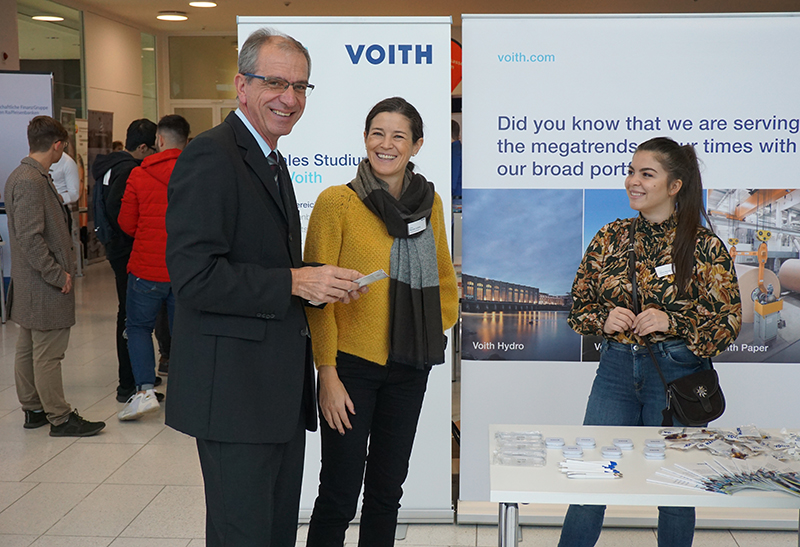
140,143
144,207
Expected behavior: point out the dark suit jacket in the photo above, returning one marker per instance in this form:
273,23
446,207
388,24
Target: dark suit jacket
240,365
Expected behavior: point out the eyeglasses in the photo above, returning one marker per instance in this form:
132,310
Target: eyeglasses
279,85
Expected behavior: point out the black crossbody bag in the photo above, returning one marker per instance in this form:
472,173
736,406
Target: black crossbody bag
695,399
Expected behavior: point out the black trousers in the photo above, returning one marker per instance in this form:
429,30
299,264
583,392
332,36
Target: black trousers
387,401
161,331
126,380
252,491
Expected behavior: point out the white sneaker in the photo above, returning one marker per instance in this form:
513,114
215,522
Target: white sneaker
139,404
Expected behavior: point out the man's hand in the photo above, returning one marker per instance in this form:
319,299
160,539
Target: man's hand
326,284
67,286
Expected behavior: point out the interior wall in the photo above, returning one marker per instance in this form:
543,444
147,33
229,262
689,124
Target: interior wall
113,70
9,42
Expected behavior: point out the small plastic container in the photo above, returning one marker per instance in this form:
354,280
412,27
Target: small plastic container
554,442
624,444
586,442
652,453
610,452
572,451
655,443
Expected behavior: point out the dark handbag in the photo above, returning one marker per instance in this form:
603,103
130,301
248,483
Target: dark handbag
695,399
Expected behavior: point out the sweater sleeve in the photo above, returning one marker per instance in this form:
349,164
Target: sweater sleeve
588,315
448,286
323,245
714,320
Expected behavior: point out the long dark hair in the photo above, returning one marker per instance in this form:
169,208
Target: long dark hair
680,163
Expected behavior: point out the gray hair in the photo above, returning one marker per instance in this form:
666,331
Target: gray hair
248,55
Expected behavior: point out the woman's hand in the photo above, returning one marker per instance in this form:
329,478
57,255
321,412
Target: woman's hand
334,401
651,320
619,320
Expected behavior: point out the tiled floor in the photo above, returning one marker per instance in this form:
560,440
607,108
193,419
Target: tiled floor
138,484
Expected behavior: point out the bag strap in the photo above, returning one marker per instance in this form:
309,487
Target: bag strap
666,414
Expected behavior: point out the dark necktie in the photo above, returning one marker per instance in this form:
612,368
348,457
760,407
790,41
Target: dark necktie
280,173
275,168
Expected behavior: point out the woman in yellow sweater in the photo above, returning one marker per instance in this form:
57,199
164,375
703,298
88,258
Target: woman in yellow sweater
374,355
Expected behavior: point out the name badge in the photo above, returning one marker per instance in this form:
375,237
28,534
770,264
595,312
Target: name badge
665,270
417,226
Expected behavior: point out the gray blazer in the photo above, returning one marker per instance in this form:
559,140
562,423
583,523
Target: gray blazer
41,251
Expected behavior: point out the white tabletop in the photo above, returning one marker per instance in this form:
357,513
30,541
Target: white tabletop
512,484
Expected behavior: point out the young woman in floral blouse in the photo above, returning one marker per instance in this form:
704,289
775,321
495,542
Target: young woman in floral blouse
690,304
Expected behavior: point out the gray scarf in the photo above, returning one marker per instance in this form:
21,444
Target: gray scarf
415,328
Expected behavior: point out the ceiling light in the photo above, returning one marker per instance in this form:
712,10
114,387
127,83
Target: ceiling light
172,16
203,4
48,18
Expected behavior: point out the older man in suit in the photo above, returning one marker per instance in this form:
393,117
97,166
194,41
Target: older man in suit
40,298
241,375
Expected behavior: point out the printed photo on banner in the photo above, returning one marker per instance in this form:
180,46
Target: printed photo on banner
517,274
761,228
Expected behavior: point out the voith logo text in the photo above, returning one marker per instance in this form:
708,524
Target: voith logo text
403,54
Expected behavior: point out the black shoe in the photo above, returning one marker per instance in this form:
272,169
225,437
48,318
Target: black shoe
75,426
163,367
35,418
159,397
158,382
123,395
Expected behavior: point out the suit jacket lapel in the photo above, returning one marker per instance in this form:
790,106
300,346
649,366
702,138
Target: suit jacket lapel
254,157
293,215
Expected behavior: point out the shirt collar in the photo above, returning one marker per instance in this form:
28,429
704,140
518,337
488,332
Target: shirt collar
259,139
661,228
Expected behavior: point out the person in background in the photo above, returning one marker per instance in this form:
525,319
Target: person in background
144,207
41,299
110,173
689,314
240,372
117,146
374,356
66,179
455,158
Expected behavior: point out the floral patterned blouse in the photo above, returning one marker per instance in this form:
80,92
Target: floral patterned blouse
707,319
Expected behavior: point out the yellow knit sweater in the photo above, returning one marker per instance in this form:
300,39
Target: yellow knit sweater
343,232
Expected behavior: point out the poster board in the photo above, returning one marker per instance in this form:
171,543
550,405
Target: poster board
23,96
546,150
356,62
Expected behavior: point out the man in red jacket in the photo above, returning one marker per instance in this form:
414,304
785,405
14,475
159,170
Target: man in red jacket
144,207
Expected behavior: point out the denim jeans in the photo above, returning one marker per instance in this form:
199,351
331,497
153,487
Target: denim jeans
143,304
627,390
387,401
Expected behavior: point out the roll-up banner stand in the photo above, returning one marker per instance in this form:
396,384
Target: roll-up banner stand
356,62
23,95
554,107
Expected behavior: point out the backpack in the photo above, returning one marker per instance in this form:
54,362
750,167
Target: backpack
102,228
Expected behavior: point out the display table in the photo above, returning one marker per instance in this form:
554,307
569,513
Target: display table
512,485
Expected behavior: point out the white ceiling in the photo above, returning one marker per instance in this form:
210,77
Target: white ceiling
142,13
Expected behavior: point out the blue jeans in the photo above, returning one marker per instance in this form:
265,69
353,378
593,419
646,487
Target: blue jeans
387,401
627,390
144,301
